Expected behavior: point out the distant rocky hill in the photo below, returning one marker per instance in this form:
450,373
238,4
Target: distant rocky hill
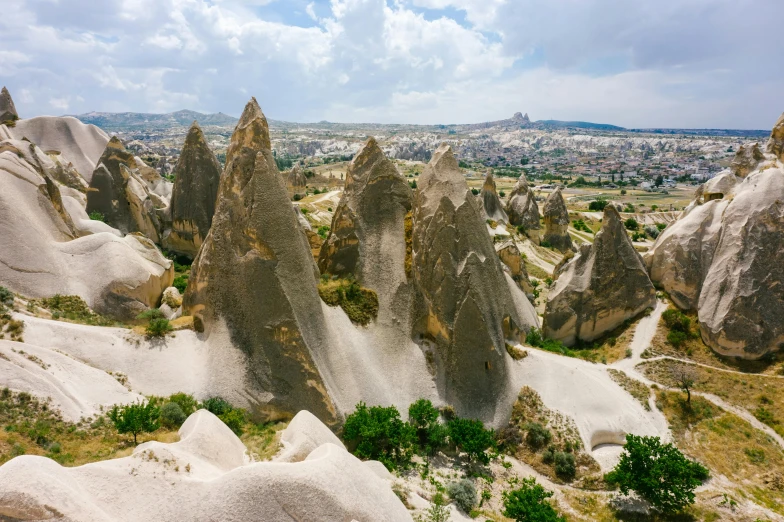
134,120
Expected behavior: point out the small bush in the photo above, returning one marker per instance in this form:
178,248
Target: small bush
297,197
323,231
475,192
631,223
529,503
538,436
676,338
158,328
181,282
172,415
676,320
463,492
378,433
135,418
97,216
217,406
359,303
149,315
652,231
6,298
638,236
185,401
598,205
661,226
471,437
423,416
564,465
234,419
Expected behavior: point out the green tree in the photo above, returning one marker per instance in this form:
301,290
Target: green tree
423,416
135,418
631,224
659,473
529,503
378,433
471,437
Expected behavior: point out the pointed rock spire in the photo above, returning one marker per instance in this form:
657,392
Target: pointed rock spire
522,208
556,222
598,290
7,108
491,203
194,194
296,177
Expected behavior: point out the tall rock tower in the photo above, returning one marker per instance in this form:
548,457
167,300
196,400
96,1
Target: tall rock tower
7,108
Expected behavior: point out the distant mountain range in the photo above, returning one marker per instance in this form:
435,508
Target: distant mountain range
133,121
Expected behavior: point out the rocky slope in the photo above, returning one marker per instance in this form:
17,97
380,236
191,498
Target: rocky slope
604,285
255,274
193,195
720,257
556,222
469,305
523,210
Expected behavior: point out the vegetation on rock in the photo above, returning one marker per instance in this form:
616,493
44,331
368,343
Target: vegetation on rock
359,303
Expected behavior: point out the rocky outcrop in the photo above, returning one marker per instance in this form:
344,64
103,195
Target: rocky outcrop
492,207
367,237
721,259
7,109
746,160
510,256
556,222
602,287
776,141
469,303
194,194
296,177
523,210
255,274
44,251
118,192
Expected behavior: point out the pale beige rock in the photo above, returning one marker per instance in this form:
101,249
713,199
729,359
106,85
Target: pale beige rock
746,160
510,256
523,210
776,142
7,108
556,222
492,207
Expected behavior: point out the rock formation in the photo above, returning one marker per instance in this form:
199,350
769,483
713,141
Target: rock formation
255,274
776,142
556,222
523,210
469,305
7,109
118,192
720,259
194,194
296,177
510,256
746,160
367,237
492,207
598,290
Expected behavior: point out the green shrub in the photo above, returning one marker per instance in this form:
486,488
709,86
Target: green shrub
73,308
6,298
158,328
463,492
185,401
638,236
172,415
676,320
471,437
234,419
359,303
631,223
181,282
475,192
149,315
412,184
677,338
217,406
538,436
564,465
659,473
423,416
661,226
378,433
323,231
135,418
297,197
97,216
529,503
598,205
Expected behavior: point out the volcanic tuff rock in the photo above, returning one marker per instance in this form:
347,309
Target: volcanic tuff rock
469,305
367,238
255,274
722,258
509,255
522,208
600,288
296,177
492,207
556,222
776,142
119,193
7,108
194,194
746,160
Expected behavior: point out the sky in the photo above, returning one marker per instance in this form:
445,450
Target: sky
634,63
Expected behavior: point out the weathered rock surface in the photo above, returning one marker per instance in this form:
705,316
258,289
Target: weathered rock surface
78,144
7,108
296,177
523,210
194,194
776,142
746,160
492,207
510,256
603,286
556,222
118,191
255,274
42,255
469,306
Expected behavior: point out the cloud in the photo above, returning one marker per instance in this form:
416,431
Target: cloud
702,63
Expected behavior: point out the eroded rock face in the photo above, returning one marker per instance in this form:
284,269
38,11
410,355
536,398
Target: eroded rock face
522,208
7,108
776,142
256,274
491,204
469,308
510,256
367,237
194,194
746,160
600,288
296,177
556,222
119,193
720,258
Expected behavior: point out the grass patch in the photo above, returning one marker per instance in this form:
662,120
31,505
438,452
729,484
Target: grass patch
359,303
535,270
74,309
636,389
729,446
